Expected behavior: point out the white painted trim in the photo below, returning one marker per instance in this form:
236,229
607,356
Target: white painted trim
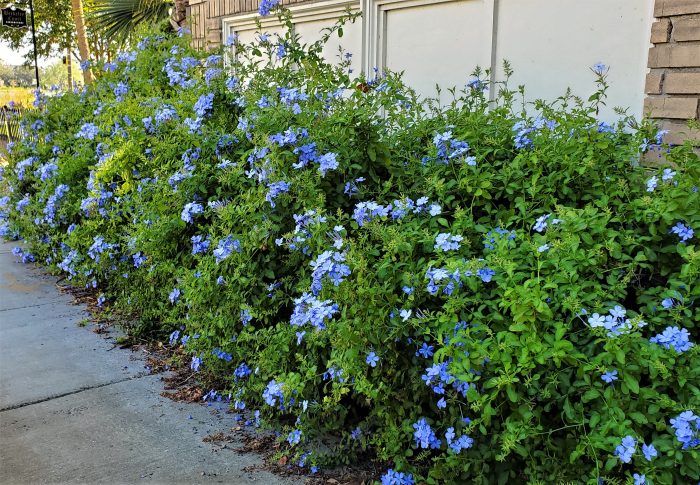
325,10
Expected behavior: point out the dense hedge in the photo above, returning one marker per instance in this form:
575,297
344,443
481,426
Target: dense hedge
474,293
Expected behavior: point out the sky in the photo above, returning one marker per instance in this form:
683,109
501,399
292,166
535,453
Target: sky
11,56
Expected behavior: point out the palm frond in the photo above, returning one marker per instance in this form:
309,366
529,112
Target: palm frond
119,18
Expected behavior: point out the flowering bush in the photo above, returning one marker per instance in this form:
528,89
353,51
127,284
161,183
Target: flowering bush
471,292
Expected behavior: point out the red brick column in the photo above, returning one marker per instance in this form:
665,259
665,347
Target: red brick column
673,83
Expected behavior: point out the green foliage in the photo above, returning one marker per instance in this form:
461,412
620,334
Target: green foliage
555,215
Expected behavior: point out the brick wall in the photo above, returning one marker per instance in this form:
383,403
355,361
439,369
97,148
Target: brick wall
205,17
673,83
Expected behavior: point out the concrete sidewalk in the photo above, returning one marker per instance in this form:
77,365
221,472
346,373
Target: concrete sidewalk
75,409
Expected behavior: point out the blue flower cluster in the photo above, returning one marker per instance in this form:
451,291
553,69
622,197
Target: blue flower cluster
687,429
542,222
266,6
242,371
98,247
626,448
302,230
328,263
46,171
273,393
308,309
226,247
523,131
275,190
674,337
684,232
50,208
464,442
246,317
392,477
177,69
616,322
454,278
200,244
88,131
424,435
22,165
496,235
449,149
447,242
191,209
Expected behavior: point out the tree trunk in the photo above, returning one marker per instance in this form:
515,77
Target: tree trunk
69,66
79,19
178,18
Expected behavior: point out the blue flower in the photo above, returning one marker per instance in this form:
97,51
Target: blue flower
220,281
405,314
424,435
687,429
328,264
447,242
196,362
543,248
674,336
308,309
609,376
174,295
191,209
203,105
541,223
242,371
462,443
639,479
121,90
667,303
139,259
372,359
366,211
486,274
649,451
200,244
246,317
88,131
225,247
425,351
683,232
273,393
442,404
294,437
327,162
276,188
266,6
392,477
300,336
600,68
626,448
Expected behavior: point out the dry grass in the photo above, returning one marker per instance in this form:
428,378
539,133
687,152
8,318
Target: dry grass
21,96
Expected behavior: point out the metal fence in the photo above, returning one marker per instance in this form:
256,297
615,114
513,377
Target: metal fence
9,122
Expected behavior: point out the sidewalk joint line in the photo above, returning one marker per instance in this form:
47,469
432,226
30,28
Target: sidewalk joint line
76,391
30,306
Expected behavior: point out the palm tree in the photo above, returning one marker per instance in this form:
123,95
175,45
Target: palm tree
119,18
81,34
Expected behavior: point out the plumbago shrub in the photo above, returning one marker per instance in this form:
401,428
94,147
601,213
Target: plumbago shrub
470,292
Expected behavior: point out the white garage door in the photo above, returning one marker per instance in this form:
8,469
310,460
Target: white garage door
551,44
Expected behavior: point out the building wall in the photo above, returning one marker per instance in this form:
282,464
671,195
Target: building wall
205,17
550,43
673,82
